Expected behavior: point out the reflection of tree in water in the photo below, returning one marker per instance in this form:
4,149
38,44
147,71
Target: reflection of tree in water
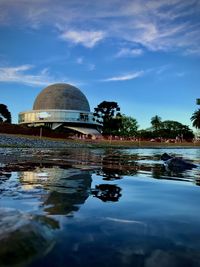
107,192
4,176
197,181
161,172
158,171
109,174
114,166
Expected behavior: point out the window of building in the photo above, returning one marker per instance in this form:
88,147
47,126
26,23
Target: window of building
84,117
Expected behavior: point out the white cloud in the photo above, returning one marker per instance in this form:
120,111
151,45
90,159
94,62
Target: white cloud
155,24
86,38
18,75
127,52
125,77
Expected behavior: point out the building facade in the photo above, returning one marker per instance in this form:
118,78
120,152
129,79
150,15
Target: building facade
62,105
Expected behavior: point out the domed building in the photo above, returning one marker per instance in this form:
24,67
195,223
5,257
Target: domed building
61,105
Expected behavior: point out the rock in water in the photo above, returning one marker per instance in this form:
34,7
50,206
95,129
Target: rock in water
177,164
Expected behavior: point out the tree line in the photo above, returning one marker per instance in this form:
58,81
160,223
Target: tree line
117,124
5,115
112,122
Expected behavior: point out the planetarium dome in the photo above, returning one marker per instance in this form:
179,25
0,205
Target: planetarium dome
64,107
61,96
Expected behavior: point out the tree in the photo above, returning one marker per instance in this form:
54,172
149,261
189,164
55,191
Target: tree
156,122
108,115
129,126
172,129
196,119
146,134
168,129
5,115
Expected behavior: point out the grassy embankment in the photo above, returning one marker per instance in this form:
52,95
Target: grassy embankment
108,143
34,134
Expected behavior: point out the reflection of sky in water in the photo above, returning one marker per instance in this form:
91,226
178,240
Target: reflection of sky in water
117,208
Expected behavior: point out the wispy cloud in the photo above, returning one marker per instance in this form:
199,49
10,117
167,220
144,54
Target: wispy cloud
128,52
86,38
34,16
19,75
192,51
155,24
125,77
161,69
82,61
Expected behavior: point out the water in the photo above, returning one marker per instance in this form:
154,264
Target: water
98,207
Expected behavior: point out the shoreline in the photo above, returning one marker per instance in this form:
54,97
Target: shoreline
24,141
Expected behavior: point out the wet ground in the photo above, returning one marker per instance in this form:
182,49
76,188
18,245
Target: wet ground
94,207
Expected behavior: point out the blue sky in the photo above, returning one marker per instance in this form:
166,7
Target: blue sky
143,54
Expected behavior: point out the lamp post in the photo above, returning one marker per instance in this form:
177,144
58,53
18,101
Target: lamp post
41,132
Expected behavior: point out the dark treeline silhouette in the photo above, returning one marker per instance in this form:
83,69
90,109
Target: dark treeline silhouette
109,116
168,129
196,119
115,124
5,115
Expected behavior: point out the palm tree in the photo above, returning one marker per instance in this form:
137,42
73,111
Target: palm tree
196,119
156,122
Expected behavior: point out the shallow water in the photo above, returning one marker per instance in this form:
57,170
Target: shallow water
94,207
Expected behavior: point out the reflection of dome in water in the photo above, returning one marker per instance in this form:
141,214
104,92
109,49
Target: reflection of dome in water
65,195
61,96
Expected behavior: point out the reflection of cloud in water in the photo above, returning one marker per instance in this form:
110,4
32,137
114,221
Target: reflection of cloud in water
24,237
28,236
124,221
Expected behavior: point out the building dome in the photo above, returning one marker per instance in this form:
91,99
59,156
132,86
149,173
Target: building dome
61,96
